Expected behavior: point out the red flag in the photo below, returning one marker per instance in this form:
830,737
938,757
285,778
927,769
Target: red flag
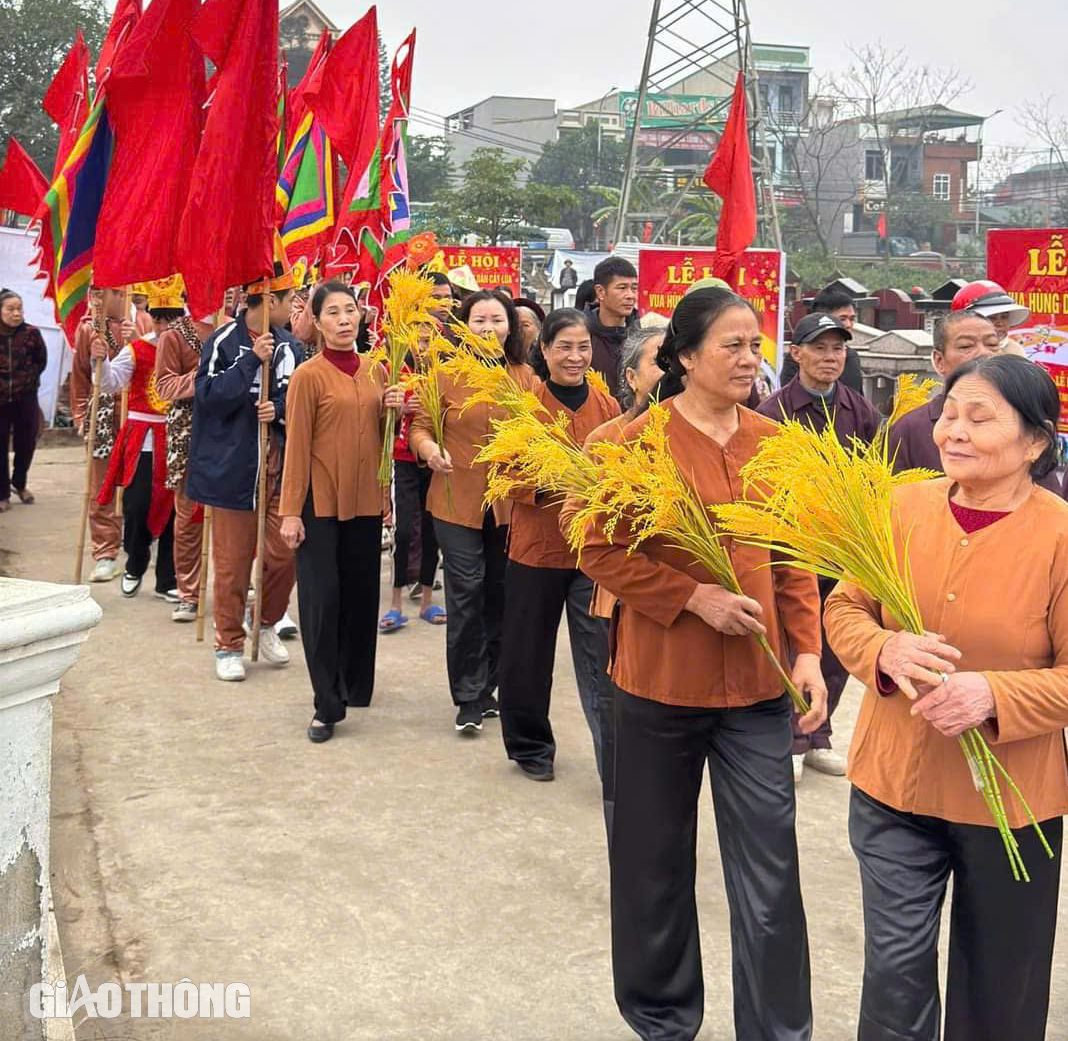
880,225
126,16
156,88
22,185
296,106
67,99
730,176
226,235
343,93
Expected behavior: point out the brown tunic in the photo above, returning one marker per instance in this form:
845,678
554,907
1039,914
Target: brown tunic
536,539
666,653
176,366
999,595
462,501
333,441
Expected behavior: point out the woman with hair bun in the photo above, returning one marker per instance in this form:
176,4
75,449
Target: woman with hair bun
695,688
543,577
331,507
472,538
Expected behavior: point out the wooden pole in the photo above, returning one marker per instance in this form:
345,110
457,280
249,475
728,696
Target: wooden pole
124,408
205,557
261,505
98,368
205,531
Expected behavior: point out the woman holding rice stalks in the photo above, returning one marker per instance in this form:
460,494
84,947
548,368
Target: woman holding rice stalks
542,578
987,551
696,688
472,537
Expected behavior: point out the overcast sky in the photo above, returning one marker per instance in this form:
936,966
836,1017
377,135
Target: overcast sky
575,51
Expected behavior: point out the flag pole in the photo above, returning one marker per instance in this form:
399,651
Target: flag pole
94,406
124,408
205,531
261,505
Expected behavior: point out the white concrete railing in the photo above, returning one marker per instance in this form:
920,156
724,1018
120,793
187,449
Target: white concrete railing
42,626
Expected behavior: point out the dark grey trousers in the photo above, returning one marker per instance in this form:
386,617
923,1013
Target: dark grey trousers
1000,931
474,560
661,751
535,600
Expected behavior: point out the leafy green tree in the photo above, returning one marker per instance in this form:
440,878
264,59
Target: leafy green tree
385,90
489,202
548,205
918,216
35,36
581,160
430,170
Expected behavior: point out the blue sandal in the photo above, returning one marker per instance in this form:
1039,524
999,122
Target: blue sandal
434,615
391,621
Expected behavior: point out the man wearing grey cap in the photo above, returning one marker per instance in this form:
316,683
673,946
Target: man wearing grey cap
816,396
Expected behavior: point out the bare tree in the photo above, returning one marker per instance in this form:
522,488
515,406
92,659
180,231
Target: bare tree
1041,120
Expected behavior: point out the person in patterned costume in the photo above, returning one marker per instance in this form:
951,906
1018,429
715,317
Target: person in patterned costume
177,360
105,527
138,460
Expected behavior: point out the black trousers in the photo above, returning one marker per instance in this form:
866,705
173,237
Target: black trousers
661,751
474,560
1000,931
411,483
338,579
834,675
136,537
535,599
18,429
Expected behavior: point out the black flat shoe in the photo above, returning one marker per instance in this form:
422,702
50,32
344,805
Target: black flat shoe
322,733
537,771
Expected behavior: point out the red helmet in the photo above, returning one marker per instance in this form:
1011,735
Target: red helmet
987,298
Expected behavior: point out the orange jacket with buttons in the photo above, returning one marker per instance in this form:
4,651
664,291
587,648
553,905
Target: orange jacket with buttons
664,652
536,539
461,499
1000,596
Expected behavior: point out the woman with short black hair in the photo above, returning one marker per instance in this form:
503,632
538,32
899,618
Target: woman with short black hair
987,551
543,576
23,357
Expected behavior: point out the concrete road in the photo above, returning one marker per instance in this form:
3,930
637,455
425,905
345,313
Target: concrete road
398,882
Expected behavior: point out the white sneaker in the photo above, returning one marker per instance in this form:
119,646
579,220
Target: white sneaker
105,570
799,767
229,666
825,761
286,627
271,649
171,596
185,611
130,584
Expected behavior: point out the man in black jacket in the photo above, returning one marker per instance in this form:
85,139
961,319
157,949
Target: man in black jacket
839,305
224,463
615,283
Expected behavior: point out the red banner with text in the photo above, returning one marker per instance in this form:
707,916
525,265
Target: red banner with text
494,267
664,275
1031,265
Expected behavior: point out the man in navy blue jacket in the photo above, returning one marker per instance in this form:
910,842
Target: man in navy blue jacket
224,462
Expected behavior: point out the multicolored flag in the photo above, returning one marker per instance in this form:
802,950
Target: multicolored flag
68,215
396,208
306,192
283,95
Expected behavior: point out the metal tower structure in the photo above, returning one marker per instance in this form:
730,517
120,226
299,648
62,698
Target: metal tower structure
711,37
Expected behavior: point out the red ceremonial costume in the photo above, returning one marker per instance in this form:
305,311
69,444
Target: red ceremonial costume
146,418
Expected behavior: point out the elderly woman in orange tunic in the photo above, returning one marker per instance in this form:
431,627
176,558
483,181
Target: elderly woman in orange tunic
988,550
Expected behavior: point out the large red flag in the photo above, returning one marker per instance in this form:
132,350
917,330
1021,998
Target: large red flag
67,99
126,16
155,98
22,185
344,93
227,227
730,176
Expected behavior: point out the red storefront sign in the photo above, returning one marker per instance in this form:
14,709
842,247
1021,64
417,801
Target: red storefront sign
664,275
1032,266
494,267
